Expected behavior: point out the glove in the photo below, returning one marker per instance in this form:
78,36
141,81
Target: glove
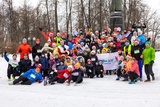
40,28
151,63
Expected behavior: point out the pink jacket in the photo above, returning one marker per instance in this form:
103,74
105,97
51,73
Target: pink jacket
135,68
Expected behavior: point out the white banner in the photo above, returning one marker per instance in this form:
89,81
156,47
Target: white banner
109,60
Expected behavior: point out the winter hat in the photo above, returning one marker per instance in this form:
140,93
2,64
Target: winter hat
128,56
37,40
136,40
37,57
24,39
70,66
77,64
149,43
39,66
93,51
14,54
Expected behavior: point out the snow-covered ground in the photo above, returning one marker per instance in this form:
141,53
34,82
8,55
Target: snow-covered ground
97,92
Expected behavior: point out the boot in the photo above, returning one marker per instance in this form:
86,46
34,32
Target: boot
147,80
140,79
153,78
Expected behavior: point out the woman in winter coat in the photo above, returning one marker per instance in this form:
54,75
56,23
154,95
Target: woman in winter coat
134,71
44,62
77,75
36,49
99,69
29,77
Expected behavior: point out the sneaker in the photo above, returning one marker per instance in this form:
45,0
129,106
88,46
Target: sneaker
67,84
153,78
9,79
13,78
136,79
117,78
131,83
125,80
52,83
45,81
11,83
75,84
141,79
147,80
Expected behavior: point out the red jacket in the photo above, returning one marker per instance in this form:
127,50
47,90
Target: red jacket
63,74
24,49
135,68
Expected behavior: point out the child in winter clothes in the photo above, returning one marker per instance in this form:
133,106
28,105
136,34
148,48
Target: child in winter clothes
12,66
76,75
134,71
62,75
35,62
127,68
24,64
44,63
51,62
120,64
89,69
99,69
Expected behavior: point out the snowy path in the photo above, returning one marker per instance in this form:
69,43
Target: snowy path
98,92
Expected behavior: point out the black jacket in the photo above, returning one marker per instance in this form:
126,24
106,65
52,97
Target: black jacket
35,49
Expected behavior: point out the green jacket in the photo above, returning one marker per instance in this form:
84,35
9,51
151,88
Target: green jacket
57,40
148,55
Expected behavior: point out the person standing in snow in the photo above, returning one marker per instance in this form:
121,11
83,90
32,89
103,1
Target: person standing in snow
29,77
24,48
12,66
148,56
36,49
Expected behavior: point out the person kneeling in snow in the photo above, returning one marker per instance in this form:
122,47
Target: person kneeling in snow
62,75
134,71
77,75
29,77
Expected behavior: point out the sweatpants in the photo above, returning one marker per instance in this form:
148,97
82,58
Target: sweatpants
24,81
59,80
148,70
132,76
140,64
77,79
11,71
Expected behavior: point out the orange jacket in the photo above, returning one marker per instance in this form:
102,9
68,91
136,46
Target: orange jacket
24,49
128,66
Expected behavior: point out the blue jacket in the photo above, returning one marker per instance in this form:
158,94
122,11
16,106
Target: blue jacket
32,75
141,39
44,62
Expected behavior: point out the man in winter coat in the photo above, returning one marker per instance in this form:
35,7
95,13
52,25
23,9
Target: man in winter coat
148,56
24,48
29,77
24,64
36,49
136,52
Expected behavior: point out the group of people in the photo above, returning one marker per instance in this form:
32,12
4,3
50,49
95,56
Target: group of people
61,60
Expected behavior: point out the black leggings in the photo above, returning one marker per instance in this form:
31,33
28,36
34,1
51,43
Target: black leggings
59,80
23,80
77,79
133,76
148,71
11,71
